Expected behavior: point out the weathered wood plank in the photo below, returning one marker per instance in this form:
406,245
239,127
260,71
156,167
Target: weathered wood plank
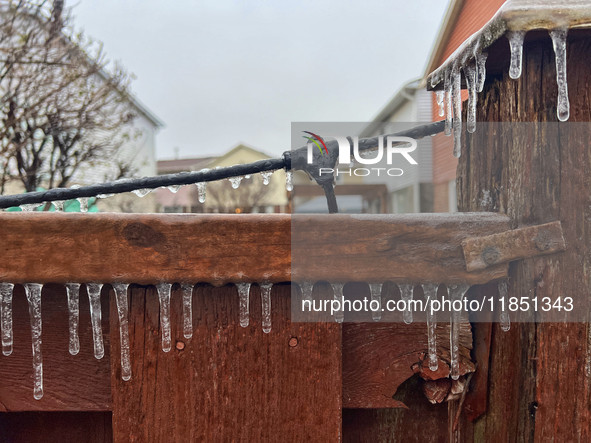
219,249
71,383
537,173
227,383
403,248
531,241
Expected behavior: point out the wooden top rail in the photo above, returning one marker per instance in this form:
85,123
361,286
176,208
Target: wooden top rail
219,249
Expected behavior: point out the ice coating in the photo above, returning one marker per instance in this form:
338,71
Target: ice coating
266,177
289,181
94,297
29,207
73,294
375,290
505,320
123,314
471,74
266,306
559,43
174,188
456,94
235,182
406,295
33,292
516,45
6,317
164,297
83,204
337,289
456,292
448,104
142,192
201,190
480,70
187,311
58,205
307,287
244,301
440,97
430,292
515,18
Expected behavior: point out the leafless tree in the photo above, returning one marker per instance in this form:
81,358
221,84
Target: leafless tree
61,108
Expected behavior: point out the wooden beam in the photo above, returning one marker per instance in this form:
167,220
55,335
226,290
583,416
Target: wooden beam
532,241
146,249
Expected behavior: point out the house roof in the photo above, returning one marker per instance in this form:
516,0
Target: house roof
402,96
198,163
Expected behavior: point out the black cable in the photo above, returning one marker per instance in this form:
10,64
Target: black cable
188,178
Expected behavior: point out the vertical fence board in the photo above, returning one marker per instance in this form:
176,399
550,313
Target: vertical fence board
228,383
538,385
71,382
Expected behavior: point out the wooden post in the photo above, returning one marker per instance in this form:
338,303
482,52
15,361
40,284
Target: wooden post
538,383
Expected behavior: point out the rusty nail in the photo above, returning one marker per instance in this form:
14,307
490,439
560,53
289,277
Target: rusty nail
543,241
490,255
293,342
180,345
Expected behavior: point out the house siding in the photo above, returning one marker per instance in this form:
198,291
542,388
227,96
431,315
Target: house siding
473,16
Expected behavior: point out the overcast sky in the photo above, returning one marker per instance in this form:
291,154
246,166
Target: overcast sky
220,72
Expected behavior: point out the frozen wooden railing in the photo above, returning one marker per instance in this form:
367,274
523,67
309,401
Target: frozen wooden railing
116,249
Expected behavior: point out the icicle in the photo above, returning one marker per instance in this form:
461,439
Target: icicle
266,304
516,43
440,95
376,295
58,205
481,70
456,91
94,297
289,180
430,292
123,313
559,42
470,74
456,292
266,177
174,188
244,301
83,204
505,320
33,291
142,192
247,176
235,181
447,87
187,311
406,295
164,297
337,289
6,314
29,207
201,189
307,287
73,293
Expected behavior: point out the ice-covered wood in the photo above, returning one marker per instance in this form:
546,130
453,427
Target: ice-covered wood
219,249
532,241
